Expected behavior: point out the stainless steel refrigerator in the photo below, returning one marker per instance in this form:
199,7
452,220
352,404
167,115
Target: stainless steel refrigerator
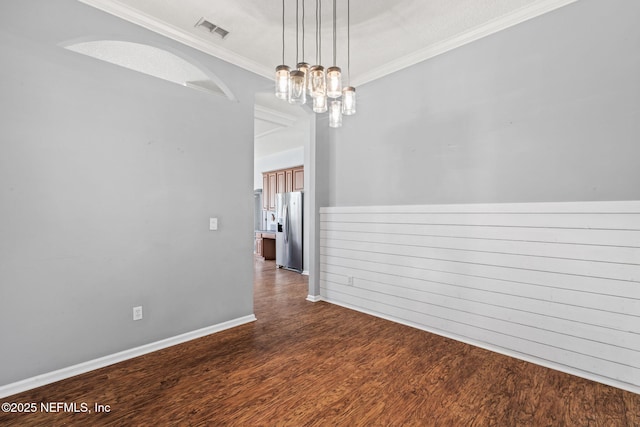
289,230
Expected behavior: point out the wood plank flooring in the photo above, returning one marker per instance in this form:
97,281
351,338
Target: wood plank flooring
316,364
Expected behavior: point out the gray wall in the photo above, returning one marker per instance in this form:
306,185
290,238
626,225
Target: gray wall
548,110
107,181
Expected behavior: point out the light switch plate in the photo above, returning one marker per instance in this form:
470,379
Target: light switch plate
213,223
137,313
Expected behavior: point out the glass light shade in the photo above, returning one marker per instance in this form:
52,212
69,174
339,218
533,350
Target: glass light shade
297,90
309,79
304,67
282,81
317,82
349,101
320,104
335,114
334,82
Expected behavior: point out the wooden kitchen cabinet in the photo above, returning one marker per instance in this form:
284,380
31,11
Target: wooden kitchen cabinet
288,187
269,245
298,179
272,190
280,181
266,245
265,192
259,244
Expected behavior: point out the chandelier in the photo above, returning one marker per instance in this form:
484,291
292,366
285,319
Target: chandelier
323,89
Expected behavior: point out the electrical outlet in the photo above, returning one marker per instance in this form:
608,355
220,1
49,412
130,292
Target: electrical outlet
137,313
350,280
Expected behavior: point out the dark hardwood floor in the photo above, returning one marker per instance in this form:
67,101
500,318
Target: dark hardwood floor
316,364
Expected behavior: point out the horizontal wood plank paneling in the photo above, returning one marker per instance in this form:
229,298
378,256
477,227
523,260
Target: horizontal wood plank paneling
556,282
625,289
552,310
611,270
609,221
589,252
617,238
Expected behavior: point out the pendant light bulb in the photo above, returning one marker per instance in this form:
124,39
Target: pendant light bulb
282,81
297,92
320,104
317,81
304,67
335,114
349,101
334,82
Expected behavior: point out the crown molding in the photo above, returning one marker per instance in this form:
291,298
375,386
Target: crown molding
278,118
268,132
274,116
114,7
521,15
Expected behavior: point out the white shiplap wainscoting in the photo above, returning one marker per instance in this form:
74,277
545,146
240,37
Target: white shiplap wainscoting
557,284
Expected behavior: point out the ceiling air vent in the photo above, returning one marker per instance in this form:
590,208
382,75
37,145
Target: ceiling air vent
212,28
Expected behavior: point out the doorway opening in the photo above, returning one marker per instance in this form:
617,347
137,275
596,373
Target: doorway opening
282,139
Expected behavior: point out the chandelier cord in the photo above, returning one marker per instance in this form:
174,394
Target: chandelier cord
317,48
320,32
297,20
334,33
302,30
283,31
348,43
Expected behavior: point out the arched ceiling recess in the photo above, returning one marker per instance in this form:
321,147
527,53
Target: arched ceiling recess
153,61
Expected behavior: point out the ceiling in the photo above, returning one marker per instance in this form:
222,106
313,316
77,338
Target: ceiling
385,35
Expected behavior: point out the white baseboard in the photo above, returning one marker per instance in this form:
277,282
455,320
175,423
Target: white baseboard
81,368
305,272
535,360
314,298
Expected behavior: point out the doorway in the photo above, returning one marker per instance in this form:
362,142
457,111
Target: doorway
282,137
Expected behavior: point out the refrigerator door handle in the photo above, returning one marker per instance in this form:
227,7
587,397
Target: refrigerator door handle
286,224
